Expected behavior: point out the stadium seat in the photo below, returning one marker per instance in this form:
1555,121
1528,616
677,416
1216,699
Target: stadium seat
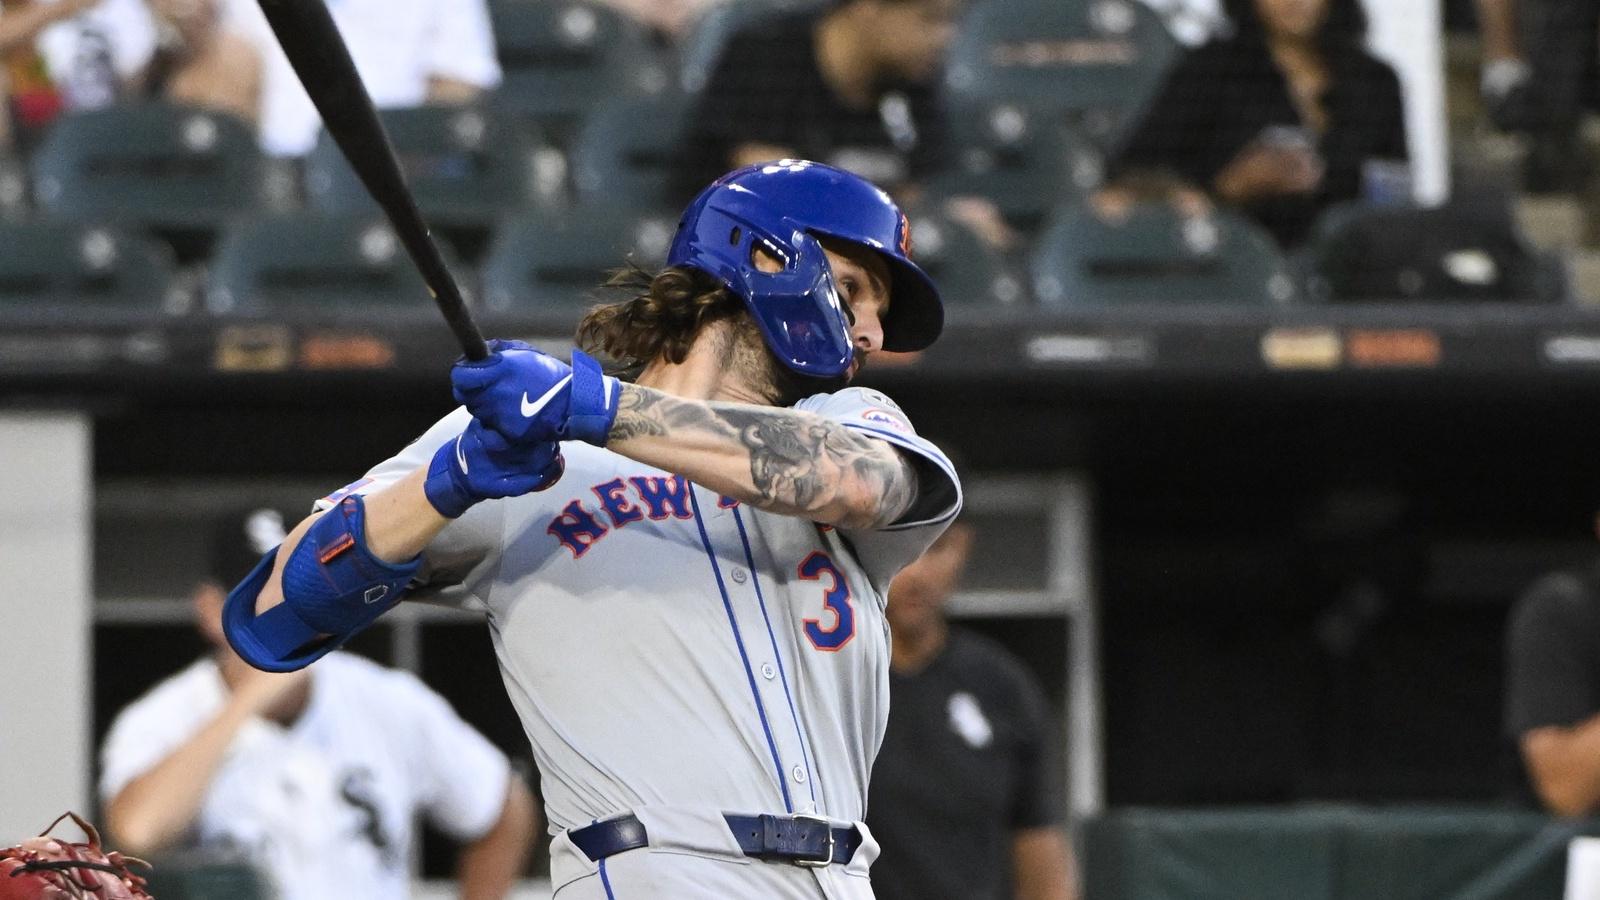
1156,255
562,57
626,152
1466,251
180,171
967,271
465,167
538,262
1023,163
702,47
60,268
1092,64
176,878
313,264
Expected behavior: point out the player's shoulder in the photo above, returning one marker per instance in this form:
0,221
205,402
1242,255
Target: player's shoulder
860,407
193,691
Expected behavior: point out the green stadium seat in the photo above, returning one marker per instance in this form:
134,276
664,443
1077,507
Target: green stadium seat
182,172
538,262
967,271
562,57
177,879
627,152
701,49
1093,64
311,264
1024,163
1156,255
464,166
62,268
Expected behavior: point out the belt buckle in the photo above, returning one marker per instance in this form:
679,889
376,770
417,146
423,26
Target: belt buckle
827,829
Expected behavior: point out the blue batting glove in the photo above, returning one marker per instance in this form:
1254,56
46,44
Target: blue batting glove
481,464
528,395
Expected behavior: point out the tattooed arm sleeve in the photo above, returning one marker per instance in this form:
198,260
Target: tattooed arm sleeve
782,460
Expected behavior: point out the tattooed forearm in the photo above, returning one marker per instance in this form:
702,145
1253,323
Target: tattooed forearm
790,461
636,414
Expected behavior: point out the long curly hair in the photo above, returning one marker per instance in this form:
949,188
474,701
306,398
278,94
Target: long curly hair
660,318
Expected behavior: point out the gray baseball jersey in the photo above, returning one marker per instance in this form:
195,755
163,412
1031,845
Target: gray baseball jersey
677,654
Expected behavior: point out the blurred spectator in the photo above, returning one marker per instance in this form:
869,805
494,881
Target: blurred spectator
1284,118
669,18
1540,76
200,60
964,797
851,85
315,776
31,98
1552,712
409,52
61,55
98,57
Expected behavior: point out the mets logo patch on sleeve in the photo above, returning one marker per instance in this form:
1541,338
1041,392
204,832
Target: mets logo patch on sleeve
887,418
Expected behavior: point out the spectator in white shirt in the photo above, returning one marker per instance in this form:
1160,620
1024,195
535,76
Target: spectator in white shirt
409,53
316,776
98,56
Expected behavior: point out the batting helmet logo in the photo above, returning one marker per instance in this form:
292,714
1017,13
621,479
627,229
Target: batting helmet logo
905,236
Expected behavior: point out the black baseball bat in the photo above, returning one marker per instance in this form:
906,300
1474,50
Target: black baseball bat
321,60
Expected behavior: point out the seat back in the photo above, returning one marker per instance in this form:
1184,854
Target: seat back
1154,254
1092,64
627,152
966,270
1022,161
1468,251
702,47
561,57
63,267
537,261
156,165
313,264
464,166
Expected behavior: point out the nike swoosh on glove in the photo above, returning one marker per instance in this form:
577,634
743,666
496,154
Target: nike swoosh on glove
529,395
480,464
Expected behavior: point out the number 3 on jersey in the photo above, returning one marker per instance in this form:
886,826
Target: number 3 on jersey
835,597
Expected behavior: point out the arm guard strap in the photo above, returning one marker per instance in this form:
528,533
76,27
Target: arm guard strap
333,588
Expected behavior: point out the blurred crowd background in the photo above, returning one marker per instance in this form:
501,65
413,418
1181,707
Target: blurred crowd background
1056,154
1269,363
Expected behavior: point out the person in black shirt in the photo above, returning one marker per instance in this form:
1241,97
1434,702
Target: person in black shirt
1552,713
849,85
964,800
1284,118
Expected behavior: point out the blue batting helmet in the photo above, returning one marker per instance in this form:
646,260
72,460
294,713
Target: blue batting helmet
785,207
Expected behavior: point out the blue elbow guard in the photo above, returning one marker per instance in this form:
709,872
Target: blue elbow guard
333,588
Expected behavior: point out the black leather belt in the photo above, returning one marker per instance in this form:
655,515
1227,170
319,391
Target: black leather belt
802,840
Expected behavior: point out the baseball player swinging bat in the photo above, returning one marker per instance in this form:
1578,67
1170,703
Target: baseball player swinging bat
309,38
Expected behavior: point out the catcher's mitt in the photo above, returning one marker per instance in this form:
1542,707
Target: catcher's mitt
43,868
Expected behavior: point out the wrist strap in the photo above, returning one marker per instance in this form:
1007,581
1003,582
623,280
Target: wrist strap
592,405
